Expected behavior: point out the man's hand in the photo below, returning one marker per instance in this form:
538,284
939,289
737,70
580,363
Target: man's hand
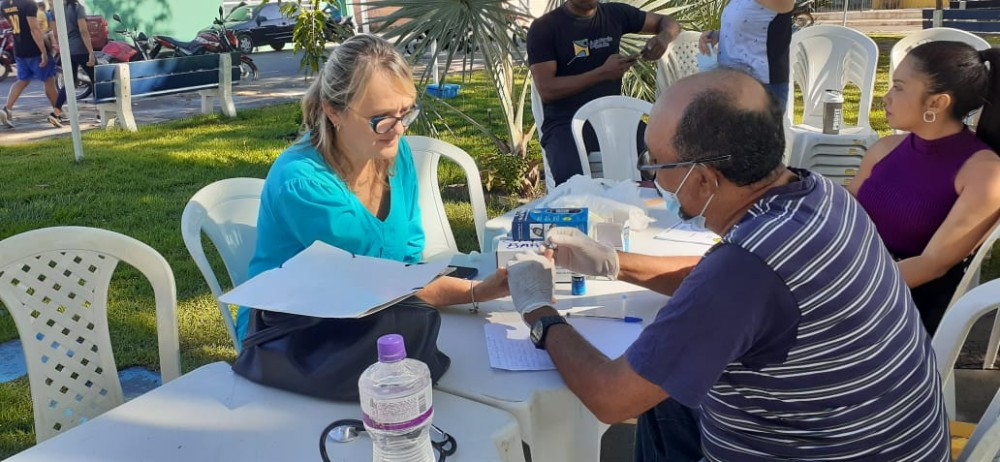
708,38
45,60
579,253
91,60
531,278
616,66
655,47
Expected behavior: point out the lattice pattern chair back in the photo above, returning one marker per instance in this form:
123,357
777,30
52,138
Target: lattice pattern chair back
438,235
615,120
827,57
54,282
679,61
226,211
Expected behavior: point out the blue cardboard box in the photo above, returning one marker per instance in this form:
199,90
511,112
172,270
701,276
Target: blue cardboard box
447,90
534,224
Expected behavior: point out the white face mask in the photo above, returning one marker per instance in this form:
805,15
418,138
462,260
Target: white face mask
673,203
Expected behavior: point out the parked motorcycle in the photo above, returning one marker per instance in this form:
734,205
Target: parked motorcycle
216,39
6,50
121,52
802,15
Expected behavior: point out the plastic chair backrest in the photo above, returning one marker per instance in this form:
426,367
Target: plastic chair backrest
903,47
54,282
538,112
226,211
615,120
679,61
827,57
438,235
948,341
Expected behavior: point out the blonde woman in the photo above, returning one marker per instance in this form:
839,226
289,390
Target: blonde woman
350,180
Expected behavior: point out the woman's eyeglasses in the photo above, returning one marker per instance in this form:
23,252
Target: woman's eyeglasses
645,165
383,124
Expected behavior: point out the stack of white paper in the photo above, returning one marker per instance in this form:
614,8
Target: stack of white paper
509,347
327,282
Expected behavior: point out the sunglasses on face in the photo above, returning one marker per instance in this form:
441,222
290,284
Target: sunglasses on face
383,124
647,168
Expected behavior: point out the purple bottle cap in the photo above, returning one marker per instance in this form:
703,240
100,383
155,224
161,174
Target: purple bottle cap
391,348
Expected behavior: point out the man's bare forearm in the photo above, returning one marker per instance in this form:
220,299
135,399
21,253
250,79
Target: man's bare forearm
659,274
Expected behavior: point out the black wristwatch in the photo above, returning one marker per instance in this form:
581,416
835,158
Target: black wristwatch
541,328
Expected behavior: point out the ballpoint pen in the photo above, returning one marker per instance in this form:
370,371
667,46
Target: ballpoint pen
628,319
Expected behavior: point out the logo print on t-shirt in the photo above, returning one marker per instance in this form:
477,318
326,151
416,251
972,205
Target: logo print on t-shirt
581,49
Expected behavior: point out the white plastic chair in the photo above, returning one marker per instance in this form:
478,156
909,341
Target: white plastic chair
984,444
615,120
826,57
538,112
226,211
54,282
903,47
679,61
970,280
439,238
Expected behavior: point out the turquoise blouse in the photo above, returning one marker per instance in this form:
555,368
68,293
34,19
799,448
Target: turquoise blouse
305,201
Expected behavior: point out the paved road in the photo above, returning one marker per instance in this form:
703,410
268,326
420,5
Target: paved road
279,81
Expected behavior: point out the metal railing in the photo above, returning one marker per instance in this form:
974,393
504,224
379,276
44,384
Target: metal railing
825,6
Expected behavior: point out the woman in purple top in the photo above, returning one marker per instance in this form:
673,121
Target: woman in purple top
934,193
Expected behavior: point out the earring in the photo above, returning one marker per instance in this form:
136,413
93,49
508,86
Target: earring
931,118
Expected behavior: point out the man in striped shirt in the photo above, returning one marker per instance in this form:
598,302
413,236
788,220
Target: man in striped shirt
794,338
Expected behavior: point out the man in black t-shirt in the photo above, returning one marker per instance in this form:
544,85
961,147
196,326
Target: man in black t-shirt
573,53
32,62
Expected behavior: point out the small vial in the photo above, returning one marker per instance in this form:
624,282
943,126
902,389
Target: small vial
579,285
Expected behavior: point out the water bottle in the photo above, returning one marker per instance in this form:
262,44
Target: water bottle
396,404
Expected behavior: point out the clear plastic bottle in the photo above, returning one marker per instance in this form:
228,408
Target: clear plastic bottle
396,404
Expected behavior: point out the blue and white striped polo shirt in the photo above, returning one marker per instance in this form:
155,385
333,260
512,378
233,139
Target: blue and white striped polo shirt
798,339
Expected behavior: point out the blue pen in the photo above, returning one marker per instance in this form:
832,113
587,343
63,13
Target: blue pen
628,319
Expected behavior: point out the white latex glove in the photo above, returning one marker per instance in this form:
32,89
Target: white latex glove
531,278
579,253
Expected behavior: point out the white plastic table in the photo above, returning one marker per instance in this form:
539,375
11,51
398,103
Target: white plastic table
212,414
554,422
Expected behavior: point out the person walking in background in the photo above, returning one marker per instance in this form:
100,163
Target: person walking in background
80,47
31,57
755,38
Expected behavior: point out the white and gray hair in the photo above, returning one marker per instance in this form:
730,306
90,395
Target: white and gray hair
343,78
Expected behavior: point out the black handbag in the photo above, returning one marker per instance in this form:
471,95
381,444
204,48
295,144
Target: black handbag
325,357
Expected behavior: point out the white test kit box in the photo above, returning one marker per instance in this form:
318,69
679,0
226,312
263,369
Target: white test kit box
508,249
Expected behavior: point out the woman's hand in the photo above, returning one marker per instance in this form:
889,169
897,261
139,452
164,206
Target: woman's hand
493,287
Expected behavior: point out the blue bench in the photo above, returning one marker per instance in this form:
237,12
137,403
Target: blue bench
980,20
213,76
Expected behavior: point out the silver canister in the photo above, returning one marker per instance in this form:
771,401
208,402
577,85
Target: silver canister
833,111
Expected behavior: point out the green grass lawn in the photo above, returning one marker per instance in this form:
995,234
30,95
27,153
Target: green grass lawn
138,184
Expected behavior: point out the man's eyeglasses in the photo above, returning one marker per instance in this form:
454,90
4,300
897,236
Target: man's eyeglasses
383,124
646,166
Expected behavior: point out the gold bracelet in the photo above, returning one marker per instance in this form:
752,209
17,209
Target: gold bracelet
472,293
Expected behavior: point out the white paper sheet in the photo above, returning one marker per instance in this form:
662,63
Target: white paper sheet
509,347
327,282
683,232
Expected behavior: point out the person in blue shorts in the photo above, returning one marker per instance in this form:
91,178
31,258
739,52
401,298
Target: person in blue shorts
31,56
